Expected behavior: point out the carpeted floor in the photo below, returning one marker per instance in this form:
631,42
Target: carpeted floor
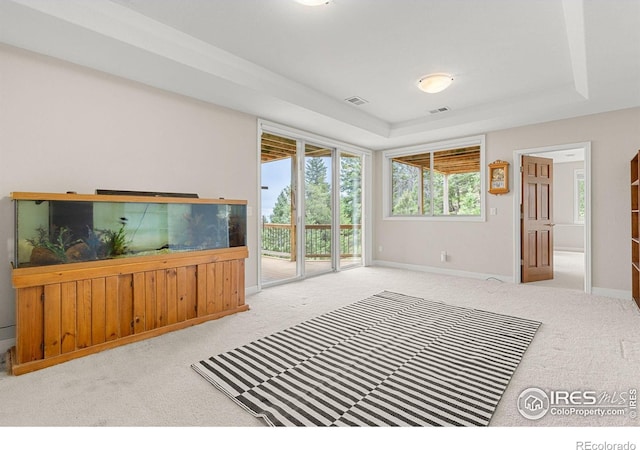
585,342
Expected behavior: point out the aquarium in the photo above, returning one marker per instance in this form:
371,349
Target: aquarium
60,231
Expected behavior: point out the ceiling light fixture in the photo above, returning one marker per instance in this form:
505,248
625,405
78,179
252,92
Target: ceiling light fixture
313,2
435,82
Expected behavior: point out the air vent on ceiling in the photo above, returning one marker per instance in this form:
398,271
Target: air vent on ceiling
440,110
356,100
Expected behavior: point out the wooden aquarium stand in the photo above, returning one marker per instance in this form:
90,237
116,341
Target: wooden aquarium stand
67,311
84,308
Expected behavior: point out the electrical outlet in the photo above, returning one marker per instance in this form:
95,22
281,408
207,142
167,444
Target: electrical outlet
443,256
380,248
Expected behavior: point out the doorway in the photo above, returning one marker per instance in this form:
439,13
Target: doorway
311,202
569,226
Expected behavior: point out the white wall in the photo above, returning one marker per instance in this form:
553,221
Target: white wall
63,127
487,247
66,128
567,235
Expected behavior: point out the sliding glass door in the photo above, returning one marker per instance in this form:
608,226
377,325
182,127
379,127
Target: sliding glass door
350,207
318,210
278,256
311,209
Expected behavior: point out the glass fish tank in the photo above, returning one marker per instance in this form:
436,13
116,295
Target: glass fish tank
70,228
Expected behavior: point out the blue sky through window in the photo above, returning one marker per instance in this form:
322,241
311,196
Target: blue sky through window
276,175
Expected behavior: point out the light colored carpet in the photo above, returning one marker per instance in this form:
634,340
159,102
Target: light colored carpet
585,342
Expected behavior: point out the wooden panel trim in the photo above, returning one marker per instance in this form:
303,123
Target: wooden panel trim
69,298
161,298
98,311
172,296
241,283
139,303
29,324
191,292
150,295
83,308
181,293
43,275
227,290
112,310
212,285
52,320
201,286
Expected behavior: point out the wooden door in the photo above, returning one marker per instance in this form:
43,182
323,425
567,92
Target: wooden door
537,219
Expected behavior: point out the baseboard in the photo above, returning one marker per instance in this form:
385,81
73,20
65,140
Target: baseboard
612,293
251,290
5,345
441,271
602,292
569,249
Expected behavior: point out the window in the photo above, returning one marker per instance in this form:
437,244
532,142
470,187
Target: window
442,180
578,196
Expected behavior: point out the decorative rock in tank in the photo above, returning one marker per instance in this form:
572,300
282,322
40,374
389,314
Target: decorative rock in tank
79,252
41,256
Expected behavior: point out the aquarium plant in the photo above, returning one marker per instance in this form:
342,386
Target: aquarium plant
116,241
51,248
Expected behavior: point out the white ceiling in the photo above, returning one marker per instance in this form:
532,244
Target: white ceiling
563,156
514,62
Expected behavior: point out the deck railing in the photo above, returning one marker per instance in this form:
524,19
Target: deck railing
279,240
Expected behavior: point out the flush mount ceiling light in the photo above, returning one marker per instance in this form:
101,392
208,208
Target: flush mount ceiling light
313,2
435,82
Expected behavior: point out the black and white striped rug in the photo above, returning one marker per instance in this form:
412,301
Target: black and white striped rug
388,360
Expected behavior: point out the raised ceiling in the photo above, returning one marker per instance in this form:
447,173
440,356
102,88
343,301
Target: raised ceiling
514,62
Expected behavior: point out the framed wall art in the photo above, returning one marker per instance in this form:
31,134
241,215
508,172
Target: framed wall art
499,177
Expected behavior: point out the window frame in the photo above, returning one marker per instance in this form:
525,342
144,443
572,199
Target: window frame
433,147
